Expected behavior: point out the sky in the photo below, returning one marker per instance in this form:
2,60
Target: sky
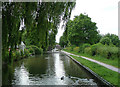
102,12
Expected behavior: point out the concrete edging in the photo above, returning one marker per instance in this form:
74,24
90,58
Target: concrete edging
91,72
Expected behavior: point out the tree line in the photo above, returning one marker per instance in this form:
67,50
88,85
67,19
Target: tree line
82,30
81,36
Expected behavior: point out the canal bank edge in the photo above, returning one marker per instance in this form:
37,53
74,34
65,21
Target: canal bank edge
91,72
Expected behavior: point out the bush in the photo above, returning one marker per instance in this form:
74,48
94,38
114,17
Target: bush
105,40
83,46
76,49
16,55
72,47
68,48
21,53
34,49
87,50
31,50
94,49
26,52
104,51
113,52
38,51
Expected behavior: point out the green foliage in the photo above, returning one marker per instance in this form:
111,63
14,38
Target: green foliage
21,53
38,51
63,41
113,62
114,52
6,56
94,48
39,20
105,40
87,50
14,55
108,52
26,52
72,47
31,50
113,39
81,30
104,51
35,49
76,49
83,46
98,38
68,48
17,55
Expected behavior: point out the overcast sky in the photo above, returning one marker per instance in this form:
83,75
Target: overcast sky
103,12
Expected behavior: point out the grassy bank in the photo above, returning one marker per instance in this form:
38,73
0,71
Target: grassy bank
113,62
105,73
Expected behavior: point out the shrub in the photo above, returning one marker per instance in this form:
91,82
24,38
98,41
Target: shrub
72,47
31,50
105,40
104,51
21,53
87,50
113,52
26,52
38,51
68,48
17,54
76,49
94,49
83,46
34,49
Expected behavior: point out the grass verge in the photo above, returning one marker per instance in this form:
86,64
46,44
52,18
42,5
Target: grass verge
105,73
113,62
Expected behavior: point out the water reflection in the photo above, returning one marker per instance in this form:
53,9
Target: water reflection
22,76
59,68
47,70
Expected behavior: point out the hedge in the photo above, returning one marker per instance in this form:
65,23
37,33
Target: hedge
107,51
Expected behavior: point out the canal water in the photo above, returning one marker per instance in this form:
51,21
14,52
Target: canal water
48,69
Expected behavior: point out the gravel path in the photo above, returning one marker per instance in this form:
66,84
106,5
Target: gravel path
95,61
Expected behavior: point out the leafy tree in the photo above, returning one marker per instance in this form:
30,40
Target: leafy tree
63,41
114,39
11,36
98,38
39,19
82,30
105,40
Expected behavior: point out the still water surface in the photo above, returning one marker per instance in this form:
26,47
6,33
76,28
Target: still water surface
49,69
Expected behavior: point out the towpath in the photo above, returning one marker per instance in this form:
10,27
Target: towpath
95,61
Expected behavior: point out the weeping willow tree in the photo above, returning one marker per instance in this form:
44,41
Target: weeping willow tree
41,23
